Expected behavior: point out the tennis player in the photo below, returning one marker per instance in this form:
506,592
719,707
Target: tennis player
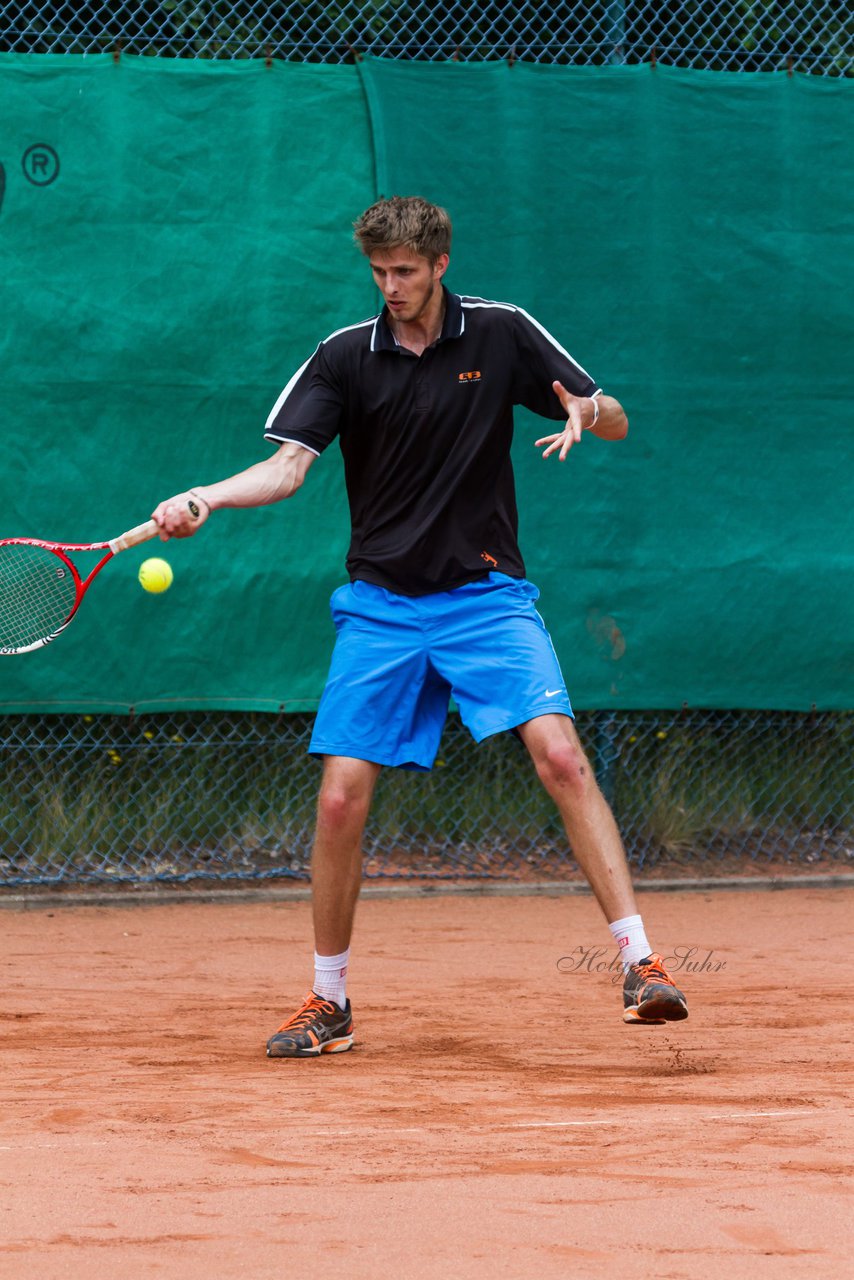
420,398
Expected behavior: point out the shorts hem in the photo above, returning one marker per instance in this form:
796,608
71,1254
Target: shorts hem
549,709
350,752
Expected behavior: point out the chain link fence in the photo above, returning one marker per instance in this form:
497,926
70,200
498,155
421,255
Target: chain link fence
100,799
816,37
95,799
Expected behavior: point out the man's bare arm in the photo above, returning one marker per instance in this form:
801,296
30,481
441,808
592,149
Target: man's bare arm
610,423
271,480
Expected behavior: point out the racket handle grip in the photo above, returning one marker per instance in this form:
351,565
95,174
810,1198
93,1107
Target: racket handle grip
133,537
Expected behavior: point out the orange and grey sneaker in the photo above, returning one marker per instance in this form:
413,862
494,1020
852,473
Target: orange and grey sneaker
650,995
318,1026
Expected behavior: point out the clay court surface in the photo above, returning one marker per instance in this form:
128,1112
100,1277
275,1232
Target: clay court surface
494,1118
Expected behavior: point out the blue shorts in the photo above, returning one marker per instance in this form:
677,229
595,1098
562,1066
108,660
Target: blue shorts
399,659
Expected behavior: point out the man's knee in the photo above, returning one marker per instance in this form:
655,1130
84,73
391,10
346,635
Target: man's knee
564,768
345,796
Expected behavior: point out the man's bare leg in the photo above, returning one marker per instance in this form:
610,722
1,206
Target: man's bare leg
649,993
336,861
323,1024
590,826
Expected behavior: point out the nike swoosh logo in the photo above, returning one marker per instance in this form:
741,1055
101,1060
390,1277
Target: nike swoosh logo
552,693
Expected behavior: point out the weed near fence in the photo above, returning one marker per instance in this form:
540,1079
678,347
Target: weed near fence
222,797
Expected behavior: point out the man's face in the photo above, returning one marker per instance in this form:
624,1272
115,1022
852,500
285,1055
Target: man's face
408,282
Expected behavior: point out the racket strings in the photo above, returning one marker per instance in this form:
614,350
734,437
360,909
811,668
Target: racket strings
37,594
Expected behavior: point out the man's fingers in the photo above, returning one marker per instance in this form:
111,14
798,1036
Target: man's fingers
176,519
572,432
158,517
563,440
551,443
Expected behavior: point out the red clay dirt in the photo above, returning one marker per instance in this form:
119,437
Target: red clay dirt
495,1117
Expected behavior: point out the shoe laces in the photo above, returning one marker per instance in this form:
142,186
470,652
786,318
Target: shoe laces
307,1012
653,970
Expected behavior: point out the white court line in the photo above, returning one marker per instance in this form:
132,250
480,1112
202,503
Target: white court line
500,1126
731,1115
747,1115
550,1124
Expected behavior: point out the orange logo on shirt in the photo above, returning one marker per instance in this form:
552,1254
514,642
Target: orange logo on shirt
484,555
473,375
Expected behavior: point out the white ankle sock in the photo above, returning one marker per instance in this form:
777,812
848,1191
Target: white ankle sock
330,977
630,937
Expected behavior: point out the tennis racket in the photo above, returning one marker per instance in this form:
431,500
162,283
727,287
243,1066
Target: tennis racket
41,588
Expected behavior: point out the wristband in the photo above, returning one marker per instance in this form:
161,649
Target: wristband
595,404
198,496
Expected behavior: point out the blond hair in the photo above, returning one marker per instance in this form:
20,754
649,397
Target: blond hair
406,221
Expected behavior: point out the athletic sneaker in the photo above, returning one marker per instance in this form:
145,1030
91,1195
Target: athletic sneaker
650,994
318,1026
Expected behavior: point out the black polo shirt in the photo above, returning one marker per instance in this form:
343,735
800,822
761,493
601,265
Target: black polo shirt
426,439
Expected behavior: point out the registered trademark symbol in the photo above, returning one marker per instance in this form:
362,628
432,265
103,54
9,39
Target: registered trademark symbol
40,164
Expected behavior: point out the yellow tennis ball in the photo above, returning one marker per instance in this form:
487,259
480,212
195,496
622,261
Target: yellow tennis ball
155,575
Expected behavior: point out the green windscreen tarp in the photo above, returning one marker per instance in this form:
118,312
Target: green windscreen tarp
193,250
687,236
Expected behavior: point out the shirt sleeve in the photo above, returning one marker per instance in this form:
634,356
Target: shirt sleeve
542,361
309,409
